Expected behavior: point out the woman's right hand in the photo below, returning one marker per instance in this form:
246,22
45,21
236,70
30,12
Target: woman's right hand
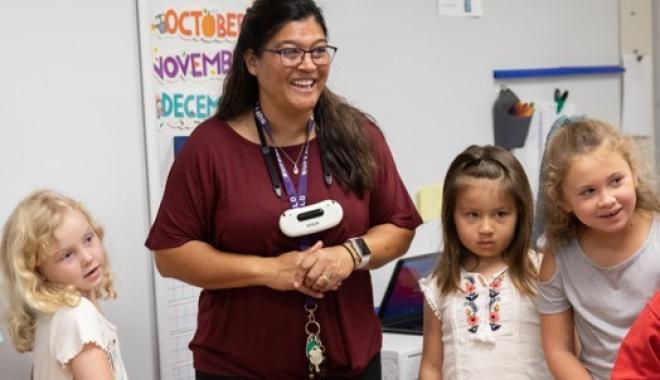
284,269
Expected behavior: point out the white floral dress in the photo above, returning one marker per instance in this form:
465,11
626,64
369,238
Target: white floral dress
489,329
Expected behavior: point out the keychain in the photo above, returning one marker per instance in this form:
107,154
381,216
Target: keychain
313,348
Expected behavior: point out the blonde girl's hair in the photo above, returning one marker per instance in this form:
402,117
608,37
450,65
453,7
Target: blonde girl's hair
27,240
581,137
492,163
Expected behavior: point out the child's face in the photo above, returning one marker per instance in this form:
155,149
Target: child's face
599,188
77,257
485,218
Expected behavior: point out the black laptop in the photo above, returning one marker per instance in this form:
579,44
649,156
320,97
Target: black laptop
403,303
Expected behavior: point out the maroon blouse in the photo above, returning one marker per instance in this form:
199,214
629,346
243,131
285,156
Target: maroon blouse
219,191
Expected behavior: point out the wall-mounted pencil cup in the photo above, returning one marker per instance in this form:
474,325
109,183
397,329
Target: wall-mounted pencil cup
509,127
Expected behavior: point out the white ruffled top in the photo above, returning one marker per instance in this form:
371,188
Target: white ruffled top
61,336
489,329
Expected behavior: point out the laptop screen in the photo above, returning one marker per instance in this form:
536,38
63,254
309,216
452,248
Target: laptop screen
403,297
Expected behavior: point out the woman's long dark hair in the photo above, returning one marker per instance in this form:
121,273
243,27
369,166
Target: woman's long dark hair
340,125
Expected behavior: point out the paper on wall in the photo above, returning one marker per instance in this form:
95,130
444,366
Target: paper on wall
548,116
428,201
531,154
637,114
460,8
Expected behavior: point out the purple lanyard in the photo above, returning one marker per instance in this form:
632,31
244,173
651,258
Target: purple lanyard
297,198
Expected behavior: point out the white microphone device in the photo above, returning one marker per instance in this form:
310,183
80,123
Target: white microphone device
310,219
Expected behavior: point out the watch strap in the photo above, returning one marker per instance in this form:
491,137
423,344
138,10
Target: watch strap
362,249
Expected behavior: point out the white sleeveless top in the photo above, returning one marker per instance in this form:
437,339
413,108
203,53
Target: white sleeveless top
61,336
489,329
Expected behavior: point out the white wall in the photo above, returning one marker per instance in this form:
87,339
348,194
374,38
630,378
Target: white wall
428,80
71,120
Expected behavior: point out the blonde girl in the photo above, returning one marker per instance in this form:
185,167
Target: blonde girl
55,269
602,245
479,320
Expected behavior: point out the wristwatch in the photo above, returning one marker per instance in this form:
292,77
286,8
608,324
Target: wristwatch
364,254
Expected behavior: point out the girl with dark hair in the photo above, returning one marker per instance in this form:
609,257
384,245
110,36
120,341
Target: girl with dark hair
479,320
278,207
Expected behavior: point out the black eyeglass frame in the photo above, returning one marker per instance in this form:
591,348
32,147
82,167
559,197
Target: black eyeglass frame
279,52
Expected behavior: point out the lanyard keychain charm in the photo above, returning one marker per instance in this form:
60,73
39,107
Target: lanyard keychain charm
314,348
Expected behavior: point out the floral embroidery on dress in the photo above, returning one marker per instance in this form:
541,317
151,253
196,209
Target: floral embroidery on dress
494,303
471,310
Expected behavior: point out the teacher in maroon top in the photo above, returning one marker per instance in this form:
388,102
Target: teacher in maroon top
276,306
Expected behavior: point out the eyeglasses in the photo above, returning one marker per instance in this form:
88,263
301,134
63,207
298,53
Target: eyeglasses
292,57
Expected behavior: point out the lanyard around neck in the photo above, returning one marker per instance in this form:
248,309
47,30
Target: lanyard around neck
266,151
298,197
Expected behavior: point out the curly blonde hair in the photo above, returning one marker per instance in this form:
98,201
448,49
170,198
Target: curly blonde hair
27,240
581,137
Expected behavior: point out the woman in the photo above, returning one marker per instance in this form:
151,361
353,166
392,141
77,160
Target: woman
276,306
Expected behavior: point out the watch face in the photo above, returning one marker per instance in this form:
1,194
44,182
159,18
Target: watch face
361,247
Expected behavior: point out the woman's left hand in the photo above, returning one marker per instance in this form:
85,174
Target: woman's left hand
324,269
